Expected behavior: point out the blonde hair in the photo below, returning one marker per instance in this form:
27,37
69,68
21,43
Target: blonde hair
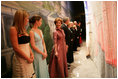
70,23
18,21
58,19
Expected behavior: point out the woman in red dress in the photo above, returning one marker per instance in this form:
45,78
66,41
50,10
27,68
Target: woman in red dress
58,61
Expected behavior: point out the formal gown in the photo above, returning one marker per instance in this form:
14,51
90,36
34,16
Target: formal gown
58,64
21,68
40,65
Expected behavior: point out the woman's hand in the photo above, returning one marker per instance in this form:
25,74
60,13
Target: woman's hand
45,51
44,56
32,56
66,48
30,60
56,54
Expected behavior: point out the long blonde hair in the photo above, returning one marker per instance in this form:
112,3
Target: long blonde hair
19,19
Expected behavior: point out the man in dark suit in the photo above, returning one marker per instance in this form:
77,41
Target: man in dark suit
70,57
68,38
73,29
79,28
66,21
77,34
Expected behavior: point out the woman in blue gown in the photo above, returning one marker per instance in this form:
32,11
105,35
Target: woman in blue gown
38,48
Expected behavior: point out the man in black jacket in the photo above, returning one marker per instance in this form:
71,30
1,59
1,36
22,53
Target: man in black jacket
79,28
66,21
68,38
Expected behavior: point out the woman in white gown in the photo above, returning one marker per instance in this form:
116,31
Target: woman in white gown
23,56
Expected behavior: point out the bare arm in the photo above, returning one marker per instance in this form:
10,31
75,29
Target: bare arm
44,45
55,42
44,49
32,41
31,54
14,42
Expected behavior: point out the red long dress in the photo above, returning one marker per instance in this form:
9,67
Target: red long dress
58,64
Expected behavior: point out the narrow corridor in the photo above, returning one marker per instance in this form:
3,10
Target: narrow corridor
83,67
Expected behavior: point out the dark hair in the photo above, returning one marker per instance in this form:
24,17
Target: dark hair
33,19
58,19
79,22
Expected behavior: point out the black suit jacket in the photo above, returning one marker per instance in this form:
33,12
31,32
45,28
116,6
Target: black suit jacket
68,34
78,31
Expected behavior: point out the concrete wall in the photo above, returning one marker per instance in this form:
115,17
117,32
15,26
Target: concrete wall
101,36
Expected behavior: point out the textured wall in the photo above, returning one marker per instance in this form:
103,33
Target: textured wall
102,36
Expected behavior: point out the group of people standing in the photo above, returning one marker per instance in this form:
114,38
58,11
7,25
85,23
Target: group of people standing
29,60
66,40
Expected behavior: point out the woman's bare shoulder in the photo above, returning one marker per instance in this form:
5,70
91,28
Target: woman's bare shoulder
39,30
12,28
31,31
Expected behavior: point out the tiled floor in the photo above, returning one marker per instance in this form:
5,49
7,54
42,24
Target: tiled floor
83,67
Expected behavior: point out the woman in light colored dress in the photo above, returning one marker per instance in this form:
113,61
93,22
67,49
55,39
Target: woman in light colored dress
38,48
23,56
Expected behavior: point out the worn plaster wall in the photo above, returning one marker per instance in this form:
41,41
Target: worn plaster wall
102,36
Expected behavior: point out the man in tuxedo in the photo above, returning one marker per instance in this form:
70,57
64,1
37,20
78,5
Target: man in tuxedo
66,21
76,41
68,38
70,35
79,28
77,34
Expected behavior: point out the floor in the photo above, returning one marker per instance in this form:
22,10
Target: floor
82,67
